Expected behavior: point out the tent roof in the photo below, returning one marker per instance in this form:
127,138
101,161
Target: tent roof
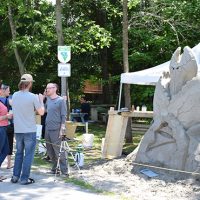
151,76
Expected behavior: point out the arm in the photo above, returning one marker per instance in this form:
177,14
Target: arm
63,108
40,110
63,111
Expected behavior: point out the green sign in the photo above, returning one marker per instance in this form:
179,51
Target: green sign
64,54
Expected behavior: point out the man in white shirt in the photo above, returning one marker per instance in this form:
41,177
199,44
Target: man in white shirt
24,104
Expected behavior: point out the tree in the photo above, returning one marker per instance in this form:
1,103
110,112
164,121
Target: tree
127,96
94,29
59,30
22,69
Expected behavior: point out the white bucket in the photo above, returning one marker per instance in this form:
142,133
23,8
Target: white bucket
88,140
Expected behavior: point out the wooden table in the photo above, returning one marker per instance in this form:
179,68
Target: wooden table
73,116
142,114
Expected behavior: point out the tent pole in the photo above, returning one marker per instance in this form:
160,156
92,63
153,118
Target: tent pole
120,96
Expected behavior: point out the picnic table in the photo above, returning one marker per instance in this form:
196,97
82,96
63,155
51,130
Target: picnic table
74,116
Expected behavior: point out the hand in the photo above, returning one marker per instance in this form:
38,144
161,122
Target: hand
9,116
62,131
41,97
60,134
64,97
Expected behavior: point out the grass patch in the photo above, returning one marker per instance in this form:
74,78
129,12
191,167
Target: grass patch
87,186
83,185
129,147
94,154
39,162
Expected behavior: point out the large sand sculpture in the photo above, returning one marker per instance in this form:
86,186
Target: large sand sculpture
173,140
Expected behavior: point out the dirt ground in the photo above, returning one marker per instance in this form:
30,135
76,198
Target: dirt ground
46,187
122,177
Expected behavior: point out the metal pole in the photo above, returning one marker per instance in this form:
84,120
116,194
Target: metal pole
120,96
63,86
65,92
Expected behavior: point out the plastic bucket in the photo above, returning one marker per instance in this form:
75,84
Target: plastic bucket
88,140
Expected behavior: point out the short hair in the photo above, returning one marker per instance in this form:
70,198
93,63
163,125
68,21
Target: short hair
4,87
23,85
84,98
57,88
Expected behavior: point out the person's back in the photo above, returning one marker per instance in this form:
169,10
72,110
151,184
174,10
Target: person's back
24,105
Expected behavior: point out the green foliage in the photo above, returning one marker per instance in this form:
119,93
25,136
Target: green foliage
156,28
86,36
133,3
142,95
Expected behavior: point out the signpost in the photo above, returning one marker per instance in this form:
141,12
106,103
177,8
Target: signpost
64,54
64,70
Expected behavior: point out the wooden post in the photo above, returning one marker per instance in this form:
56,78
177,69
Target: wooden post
115,134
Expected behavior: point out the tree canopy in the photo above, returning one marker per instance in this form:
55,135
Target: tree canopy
93,29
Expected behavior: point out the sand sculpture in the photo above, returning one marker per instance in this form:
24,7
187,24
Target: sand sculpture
173,140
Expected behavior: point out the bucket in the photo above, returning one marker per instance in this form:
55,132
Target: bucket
88,140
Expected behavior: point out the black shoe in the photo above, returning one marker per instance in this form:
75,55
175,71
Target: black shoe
27,182
47,158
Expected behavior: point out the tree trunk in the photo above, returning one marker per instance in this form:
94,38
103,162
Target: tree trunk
59,31
101,20
104,64
127,96
14,35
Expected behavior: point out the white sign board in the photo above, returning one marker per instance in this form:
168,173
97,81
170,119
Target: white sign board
64,54
64,70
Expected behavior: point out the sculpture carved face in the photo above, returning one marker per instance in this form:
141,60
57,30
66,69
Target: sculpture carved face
182,69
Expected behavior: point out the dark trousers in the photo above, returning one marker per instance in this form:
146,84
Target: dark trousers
4,146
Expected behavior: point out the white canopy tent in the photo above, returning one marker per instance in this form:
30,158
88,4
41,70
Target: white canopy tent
151,76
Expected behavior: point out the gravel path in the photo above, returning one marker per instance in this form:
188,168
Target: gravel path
45,188
118,176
